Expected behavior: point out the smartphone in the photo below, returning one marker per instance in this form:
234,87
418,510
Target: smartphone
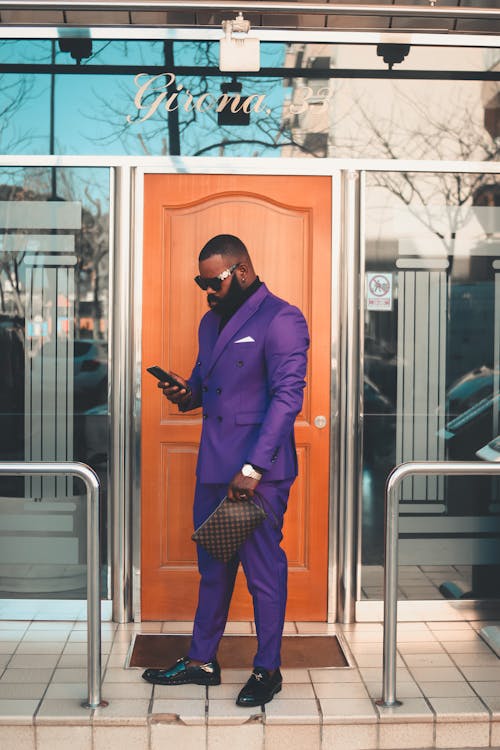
165,377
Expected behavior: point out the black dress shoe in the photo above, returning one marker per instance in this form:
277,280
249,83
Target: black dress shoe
185,673
260,688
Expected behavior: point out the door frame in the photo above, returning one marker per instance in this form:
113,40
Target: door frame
261,167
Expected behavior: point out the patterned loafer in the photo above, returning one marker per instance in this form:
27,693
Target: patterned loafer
260,688
183,673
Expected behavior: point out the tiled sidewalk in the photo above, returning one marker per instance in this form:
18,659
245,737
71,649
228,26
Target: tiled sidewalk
448,680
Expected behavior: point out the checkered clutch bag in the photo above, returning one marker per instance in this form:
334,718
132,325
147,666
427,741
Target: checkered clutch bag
225,530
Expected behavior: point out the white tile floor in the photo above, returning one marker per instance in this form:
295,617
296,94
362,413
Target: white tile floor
447,678
417,582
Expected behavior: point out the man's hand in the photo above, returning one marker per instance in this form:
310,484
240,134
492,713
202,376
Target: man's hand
175,394
241,488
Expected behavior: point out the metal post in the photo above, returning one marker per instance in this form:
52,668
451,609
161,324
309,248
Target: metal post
397,475
120,455
349,406
89,477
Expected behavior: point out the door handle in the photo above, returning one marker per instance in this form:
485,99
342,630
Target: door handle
320,421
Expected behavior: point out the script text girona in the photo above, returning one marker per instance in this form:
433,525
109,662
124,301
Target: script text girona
173,97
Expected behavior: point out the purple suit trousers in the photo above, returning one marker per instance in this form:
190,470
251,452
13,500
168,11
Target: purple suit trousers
265,566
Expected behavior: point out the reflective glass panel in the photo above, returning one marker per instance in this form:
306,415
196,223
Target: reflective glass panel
89,96
54,300
431,378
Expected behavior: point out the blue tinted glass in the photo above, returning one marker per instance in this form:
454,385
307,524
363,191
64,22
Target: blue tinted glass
170,98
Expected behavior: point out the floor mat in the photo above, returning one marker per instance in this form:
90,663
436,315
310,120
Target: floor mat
237,651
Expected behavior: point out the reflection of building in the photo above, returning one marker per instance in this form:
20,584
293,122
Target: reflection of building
491,98
341,115
306,114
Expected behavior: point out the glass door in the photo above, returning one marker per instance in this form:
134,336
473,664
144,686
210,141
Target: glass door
431,379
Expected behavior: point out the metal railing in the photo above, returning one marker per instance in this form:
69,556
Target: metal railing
397,475
89,477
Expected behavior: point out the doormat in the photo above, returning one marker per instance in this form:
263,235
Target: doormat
237,651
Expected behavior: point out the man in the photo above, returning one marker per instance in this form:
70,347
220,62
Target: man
249,380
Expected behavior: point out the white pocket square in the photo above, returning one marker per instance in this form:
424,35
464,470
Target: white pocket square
245,340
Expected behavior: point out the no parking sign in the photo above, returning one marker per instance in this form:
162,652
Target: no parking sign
379,291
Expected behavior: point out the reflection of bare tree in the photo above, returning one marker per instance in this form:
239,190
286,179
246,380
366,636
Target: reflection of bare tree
9,277
11,287
14,91
415,130
91,242
92,250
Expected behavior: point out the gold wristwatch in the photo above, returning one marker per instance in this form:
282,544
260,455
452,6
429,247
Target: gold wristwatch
248,471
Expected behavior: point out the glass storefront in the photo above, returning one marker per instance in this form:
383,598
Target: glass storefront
431,378
54,318
432,295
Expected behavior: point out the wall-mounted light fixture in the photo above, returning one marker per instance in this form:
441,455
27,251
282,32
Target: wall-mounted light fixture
78,47
238,53
231,110
393,53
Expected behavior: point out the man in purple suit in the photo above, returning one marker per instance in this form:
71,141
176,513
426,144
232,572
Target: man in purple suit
249,381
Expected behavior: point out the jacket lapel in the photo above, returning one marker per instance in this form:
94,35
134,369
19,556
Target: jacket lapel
236,322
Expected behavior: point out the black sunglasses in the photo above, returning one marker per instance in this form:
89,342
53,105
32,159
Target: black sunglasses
215,283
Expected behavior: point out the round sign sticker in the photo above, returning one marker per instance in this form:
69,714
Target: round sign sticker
379,291
379,285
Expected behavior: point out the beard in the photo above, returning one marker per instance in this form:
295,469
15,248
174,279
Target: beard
230,301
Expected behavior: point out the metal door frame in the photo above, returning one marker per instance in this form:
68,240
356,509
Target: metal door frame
262,167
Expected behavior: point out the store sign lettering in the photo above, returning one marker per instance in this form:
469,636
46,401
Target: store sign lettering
161,92
160,86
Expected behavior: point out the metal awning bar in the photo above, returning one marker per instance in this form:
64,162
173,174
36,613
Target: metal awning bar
255,6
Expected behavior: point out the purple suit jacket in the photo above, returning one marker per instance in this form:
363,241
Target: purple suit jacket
249,381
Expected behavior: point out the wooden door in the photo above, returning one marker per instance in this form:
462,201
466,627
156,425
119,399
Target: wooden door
285,221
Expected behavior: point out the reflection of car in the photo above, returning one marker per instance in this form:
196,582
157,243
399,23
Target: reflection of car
95,435
469,405
90,372
490,452
381,365
379,424
375,402
468,390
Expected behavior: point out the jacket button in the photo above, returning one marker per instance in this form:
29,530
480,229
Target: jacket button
204,389
239,363
218,391
219,419
205,416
